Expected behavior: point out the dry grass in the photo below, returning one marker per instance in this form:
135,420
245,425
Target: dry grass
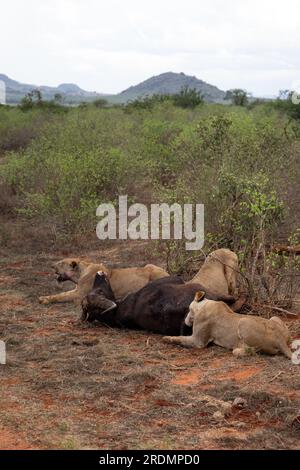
67,385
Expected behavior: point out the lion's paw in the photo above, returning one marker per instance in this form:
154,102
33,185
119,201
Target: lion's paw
44,300
168,339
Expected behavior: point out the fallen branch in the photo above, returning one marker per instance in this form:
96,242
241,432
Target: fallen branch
276,376
278,309
295,250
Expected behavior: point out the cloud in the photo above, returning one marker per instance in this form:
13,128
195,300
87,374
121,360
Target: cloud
108,46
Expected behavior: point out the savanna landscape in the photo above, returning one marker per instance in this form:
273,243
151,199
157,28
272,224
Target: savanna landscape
69,385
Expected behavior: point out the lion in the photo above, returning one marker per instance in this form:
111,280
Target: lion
123,280
215,322
219,272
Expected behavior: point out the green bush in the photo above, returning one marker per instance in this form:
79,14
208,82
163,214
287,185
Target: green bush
18,129
100,103
146,103
238,97
188,98
234,160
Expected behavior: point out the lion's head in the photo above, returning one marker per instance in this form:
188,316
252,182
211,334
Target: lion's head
194,307
284,329
67,270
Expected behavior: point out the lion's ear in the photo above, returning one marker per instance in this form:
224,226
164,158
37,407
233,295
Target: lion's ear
74,264
199,295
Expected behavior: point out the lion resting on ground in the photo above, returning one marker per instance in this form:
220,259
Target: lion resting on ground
219,272
123,280
215,322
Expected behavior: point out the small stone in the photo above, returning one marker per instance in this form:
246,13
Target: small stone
239,402
218,415
226,408
241,424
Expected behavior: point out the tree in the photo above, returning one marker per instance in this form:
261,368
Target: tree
100,103
58,98
284,94
188,98
33,98
36,96
289,102
238,96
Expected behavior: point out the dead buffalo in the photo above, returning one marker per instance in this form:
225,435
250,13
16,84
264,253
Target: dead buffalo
160,306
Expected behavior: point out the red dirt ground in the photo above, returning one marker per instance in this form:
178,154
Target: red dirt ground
68,385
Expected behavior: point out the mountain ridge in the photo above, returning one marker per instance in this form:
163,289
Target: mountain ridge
164,83
171,83
15,91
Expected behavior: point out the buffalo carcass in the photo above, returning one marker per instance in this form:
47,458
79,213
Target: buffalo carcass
160,306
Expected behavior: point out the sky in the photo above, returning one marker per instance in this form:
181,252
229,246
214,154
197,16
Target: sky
107,46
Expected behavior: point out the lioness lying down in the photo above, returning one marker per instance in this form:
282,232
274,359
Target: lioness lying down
123,280
215,322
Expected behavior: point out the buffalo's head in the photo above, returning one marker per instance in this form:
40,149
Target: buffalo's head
99,301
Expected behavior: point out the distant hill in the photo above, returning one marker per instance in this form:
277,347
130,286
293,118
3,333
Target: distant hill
171,83
71,93
166,83
70,88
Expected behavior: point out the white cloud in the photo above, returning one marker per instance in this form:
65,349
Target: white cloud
108,46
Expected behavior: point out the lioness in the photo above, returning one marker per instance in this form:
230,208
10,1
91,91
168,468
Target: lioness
123,280
215,322
219,272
